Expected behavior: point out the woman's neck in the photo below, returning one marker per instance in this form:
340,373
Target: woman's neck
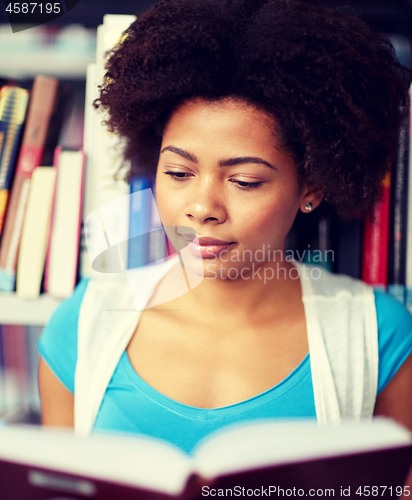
251,299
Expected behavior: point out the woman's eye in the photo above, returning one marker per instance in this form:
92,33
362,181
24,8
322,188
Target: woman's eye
177,176
246,186
243,185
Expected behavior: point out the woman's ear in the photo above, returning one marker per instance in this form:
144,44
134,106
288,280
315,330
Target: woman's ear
311,198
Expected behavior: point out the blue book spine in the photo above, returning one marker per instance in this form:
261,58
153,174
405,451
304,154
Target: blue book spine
157,237
139,222
8,159
13,104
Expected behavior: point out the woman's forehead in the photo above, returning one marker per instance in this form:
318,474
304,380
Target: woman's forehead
224,113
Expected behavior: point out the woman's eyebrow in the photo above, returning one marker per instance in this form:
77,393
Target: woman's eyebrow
241,160
180,152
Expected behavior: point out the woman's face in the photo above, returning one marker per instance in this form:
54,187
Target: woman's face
222,174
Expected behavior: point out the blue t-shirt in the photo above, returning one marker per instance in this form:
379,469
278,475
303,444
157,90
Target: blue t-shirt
132,405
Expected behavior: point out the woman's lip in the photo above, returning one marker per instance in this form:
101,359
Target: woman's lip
208,251
205,240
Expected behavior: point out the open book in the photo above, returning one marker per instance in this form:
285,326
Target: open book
268,457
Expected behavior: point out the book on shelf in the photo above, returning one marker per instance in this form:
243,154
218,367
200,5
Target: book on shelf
89,191
71,129
34,237
171,251
319,251
139,222
408,278
4,400
376,241
60,114
157,237
41,106
31,403
68,160
157,241
398,214
144,242
293,456
19,359
105,166
310,239
63,246
14,385
13,105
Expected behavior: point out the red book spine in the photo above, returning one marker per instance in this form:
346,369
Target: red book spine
376,242
171,252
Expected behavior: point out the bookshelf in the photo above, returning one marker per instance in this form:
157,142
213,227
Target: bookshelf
62,52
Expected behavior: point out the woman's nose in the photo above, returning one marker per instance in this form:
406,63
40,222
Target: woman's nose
207,203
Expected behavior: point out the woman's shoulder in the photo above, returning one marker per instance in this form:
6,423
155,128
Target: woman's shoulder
394,335
394,320
58,341
391,310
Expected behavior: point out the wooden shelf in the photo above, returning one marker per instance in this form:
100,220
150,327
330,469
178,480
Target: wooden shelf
17,311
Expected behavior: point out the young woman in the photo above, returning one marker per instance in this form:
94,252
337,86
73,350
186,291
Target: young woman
248,112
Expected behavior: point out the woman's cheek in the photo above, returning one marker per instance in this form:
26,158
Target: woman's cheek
273,221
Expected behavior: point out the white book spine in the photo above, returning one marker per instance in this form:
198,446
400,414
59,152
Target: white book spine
33,244
65,233
90,181
107,156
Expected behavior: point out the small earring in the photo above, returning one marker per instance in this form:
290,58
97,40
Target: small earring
308,206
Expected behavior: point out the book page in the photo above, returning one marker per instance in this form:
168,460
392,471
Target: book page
129,459
268,442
